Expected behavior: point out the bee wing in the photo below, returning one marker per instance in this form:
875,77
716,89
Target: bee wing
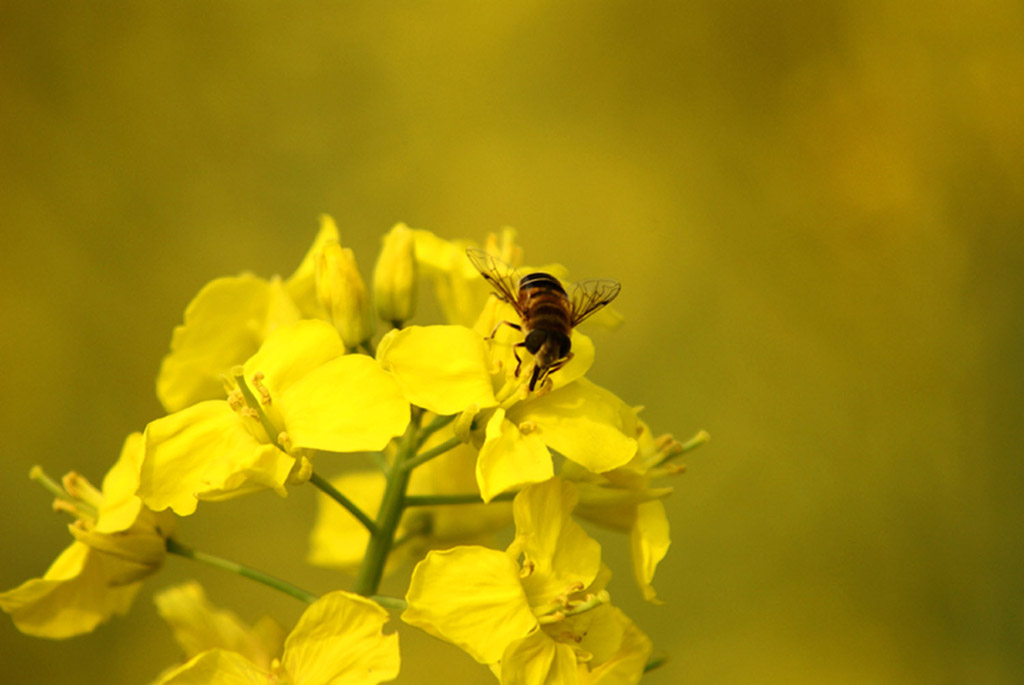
589,296
500,275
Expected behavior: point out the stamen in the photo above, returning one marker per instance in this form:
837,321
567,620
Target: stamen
62,506
257,382
236,400
527,569
556,617
81,489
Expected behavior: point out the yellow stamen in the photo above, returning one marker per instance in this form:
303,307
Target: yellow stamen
257,383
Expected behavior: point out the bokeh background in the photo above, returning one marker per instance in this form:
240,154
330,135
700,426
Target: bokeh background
815,210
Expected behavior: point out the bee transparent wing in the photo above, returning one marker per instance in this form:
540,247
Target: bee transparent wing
500,275
589,296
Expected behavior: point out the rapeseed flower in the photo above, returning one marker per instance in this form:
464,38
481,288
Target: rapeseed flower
338,639
199,626
568,415
118,543
537,612
624,499
229,319
308,395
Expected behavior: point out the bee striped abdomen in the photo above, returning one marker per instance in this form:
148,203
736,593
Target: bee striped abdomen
544,303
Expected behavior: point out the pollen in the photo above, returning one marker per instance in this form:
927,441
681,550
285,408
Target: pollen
527,427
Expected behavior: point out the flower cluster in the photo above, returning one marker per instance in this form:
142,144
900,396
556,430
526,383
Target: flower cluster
272,383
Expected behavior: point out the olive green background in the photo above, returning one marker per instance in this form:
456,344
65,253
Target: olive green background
815,210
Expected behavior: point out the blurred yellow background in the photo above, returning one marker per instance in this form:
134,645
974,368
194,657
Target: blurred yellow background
815,210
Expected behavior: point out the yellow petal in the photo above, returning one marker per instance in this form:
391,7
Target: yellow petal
292,352
441,368
584,422
120,504
510,458
216,667
301,285
538,660
224,324
199,626
471,597
340,639
204,451
347,405
625,665
460,290
72,598
649,540
562,554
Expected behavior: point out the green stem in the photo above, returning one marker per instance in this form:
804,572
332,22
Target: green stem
468,498
175,547
325,487
435,425
396,603
423,458
390,513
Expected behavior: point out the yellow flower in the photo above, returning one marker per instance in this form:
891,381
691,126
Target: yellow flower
118,543
572,416
543,619
623,499
228,321
338,640
394,277
308,396
199,626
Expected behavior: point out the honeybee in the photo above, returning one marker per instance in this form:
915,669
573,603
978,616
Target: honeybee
547,312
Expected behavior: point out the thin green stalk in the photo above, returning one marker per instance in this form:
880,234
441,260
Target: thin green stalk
396,603
423,458
325,487
175,547
467,498
391,506
435,425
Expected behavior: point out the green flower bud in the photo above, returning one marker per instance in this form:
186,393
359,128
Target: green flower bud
343,294
394,277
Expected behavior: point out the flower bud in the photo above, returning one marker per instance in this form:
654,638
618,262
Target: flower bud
343,294
394,278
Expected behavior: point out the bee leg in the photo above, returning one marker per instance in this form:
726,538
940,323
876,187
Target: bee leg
507,323
560,363
519,361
